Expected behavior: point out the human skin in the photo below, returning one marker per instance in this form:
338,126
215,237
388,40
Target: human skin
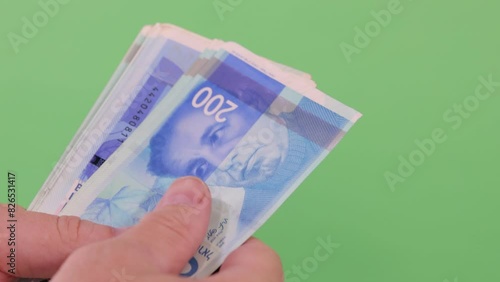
69,249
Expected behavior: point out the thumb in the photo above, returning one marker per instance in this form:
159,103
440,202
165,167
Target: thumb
176,228
162,243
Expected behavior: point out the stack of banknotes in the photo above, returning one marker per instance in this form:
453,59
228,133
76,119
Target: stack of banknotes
180,104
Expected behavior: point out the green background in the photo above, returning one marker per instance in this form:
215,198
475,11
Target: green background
440,224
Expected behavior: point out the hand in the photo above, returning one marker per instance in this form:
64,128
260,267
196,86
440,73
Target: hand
156,249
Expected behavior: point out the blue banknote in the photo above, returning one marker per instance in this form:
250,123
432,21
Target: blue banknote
249,136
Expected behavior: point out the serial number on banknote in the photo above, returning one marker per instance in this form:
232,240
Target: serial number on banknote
139,116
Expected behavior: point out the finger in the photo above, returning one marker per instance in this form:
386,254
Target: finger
174,231
162,243
253,261
6,278
43,241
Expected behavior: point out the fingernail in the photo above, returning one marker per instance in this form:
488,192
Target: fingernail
190,191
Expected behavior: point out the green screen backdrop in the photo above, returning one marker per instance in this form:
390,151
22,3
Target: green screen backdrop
410,194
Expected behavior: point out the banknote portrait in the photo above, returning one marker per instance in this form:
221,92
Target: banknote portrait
193,143
260,146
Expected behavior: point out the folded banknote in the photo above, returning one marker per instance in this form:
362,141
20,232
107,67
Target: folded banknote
96,139
180,104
